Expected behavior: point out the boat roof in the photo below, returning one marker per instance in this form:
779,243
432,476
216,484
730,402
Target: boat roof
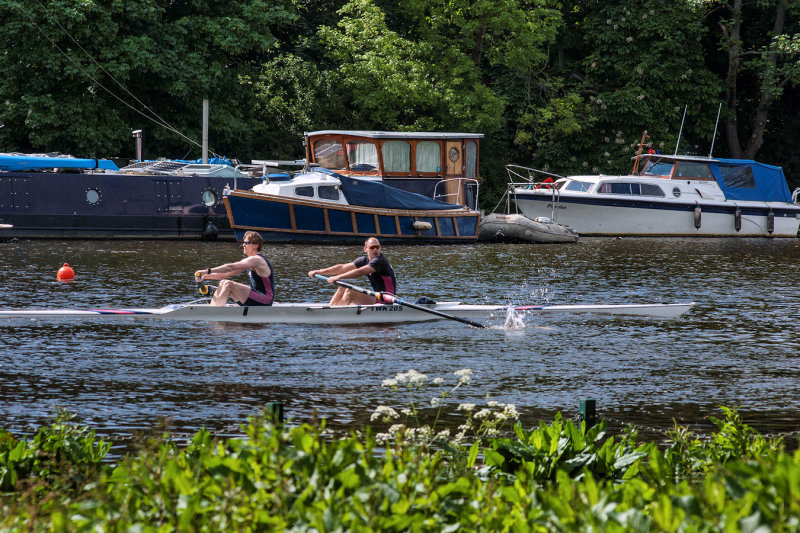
396,134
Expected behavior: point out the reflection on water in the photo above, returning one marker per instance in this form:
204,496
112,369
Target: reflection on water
736,348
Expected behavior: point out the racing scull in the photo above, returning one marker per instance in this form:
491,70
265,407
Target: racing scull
311,313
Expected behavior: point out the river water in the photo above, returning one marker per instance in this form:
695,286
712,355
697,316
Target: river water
738,347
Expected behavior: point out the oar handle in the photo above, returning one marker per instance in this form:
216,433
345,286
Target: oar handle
391,298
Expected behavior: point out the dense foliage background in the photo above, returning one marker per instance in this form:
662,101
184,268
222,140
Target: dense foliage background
569,87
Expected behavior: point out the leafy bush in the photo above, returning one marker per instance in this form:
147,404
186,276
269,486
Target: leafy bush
555,477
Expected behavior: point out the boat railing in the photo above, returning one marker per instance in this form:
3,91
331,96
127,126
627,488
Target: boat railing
532,180
258,166
795,195
511,192
462,189
531,175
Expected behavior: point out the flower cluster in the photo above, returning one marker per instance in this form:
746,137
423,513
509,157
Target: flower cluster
479,423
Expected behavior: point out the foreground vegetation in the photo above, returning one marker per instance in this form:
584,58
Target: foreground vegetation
555,477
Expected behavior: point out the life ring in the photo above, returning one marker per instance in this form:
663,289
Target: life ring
547,180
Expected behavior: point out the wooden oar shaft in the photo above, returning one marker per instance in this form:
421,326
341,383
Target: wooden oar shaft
396,300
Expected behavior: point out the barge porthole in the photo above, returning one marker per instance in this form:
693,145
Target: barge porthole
209,197
93,196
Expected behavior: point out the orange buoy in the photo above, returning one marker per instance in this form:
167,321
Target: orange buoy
65,273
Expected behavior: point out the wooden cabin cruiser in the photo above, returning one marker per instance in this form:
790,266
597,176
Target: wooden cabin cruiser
666,195
58,196
399,186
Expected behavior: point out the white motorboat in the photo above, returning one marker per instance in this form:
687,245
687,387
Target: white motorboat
312,313
665,195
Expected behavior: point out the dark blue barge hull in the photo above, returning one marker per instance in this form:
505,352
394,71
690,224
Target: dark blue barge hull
115,205
280,219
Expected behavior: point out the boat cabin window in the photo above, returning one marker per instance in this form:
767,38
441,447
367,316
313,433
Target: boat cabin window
692,170
328,192
362,156
652,190
738,176
305,190
580,186
471,153
396,156
329,154
634,189
429,156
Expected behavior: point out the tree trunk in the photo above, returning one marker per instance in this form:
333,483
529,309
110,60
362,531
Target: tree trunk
732,40
756,139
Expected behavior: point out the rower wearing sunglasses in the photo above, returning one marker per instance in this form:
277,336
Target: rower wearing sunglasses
262,282
373,265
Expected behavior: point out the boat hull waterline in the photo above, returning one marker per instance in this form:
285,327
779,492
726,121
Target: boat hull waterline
310,313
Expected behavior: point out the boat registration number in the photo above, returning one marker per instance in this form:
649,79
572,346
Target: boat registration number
384,308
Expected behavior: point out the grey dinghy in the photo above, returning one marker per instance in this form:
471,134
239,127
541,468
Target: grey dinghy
310,313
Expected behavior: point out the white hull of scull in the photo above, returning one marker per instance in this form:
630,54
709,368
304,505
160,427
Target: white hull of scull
308,313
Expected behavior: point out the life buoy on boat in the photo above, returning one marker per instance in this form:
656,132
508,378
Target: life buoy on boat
547,180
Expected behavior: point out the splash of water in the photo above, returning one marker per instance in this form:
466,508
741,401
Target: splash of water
513,319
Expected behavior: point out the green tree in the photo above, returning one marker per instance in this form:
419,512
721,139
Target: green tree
79,76
762,47
634,67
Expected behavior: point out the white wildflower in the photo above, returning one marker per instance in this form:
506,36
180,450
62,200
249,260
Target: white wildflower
468,407
389,383
385,412
493,403
443,435
406,411
511,411
397,428
492,432
483,413
640,97
629,39
436,401
438,381
606,154
464,376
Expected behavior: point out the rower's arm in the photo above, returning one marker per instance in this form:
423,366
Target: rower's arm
366,270
333,270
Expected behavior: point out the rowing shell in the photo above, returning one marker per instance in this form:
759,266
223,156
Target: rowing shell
307,313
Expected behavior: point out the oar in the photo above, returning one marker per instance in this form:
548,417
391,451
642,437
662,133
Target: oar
396,300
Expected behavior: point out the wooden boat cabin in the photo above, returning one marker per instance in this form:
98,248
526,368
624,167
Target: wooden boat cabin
438,165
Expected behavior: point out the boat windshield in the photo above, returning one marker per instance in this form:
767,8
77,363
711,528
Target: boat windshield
658,167
575,185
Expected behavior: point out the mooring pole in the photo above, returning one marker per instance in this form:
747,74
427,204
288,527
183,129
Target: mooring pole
274,412
588,413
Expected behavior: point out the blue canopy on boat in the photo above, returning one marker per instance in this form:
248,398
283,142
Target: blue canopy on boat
369,193
743,179
31,162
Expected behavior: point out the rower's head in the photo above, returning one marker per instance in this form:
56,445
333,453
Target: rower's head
254,239
372,247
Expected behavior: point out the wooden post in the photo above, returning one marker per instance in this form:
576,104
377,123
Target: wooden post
274,412
587,410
